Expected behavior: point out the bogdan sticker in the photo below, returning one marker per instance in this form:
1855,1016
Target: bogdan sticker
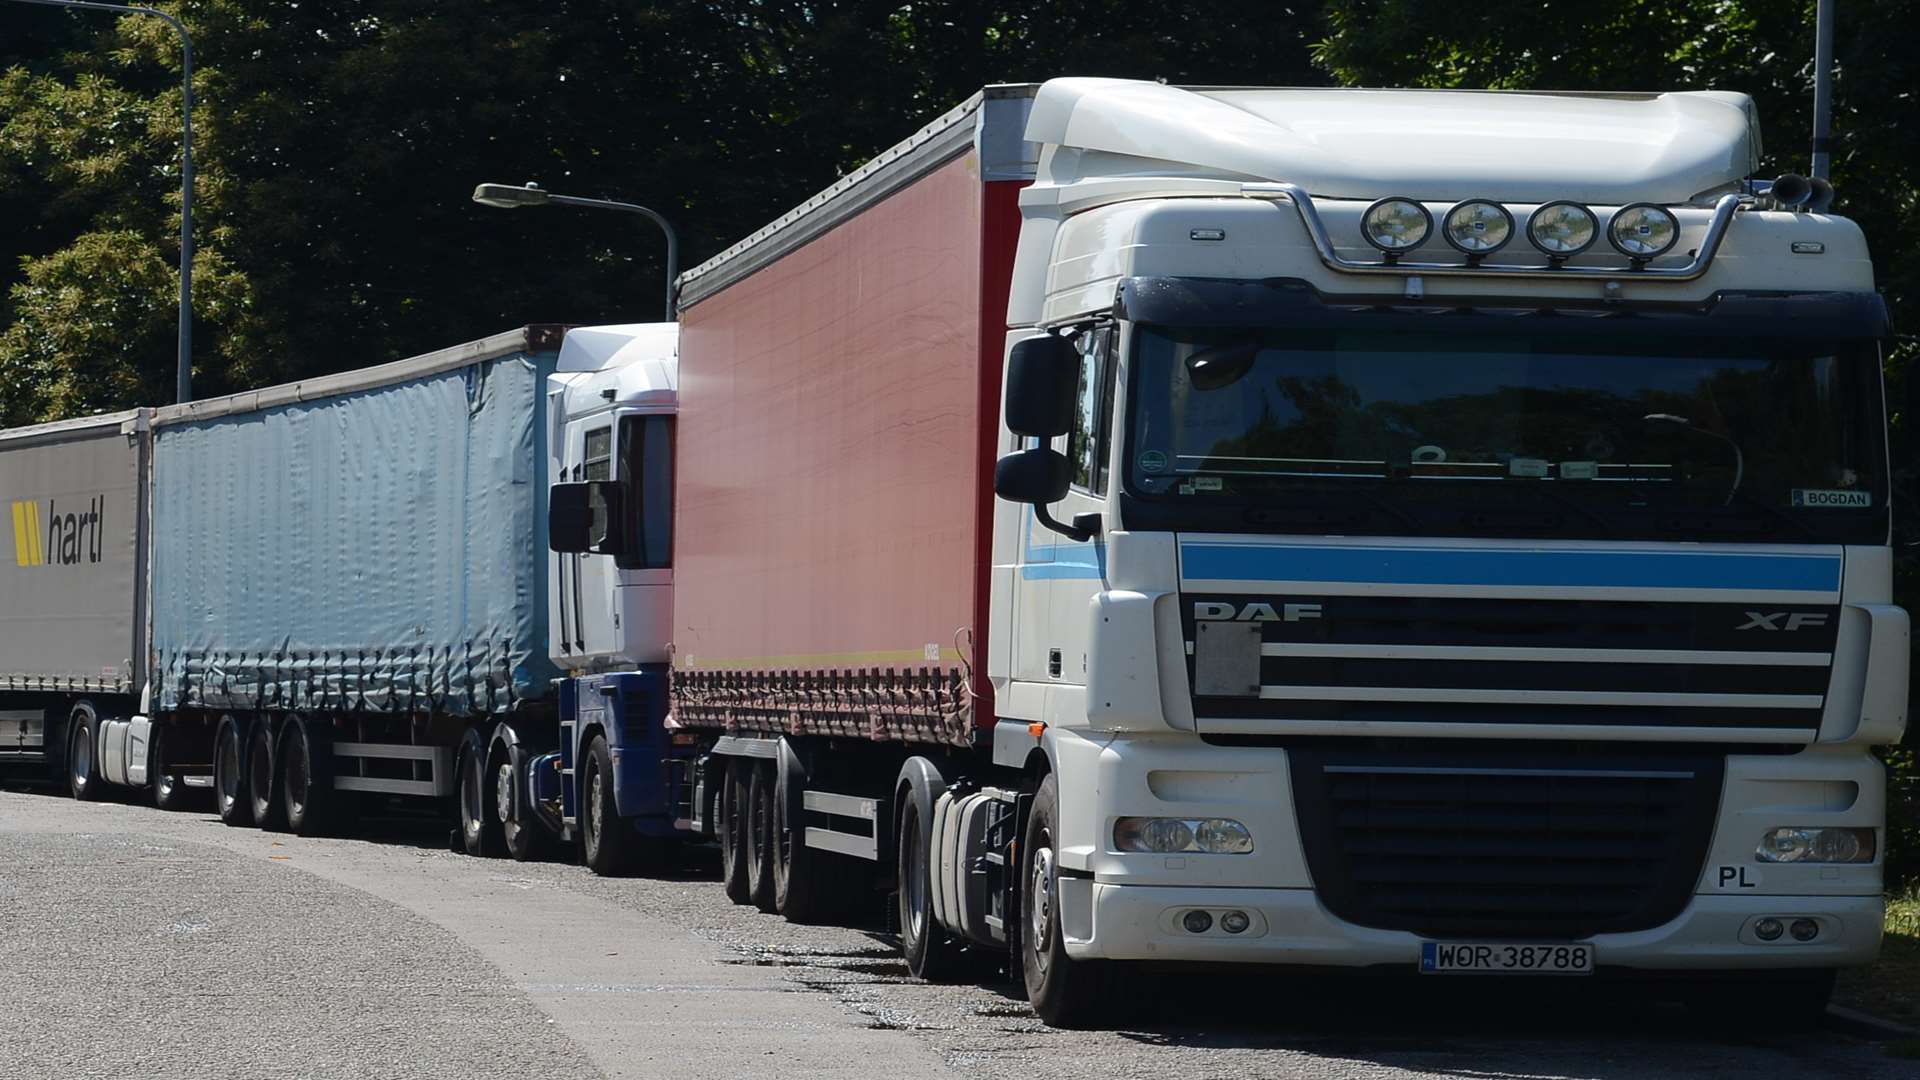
1153,461
1813,497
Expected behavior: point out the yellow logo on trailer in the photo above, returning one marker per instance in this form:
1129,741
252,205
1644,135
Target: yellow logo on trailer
26,535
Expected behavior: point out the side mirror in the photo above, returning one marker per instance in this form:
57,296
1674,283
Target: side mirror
1043,377
1039,475
1036,475
585,518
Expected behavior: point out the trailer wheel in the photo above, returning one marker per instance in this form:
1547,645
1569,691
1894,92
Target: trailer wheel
611,846
802,887
169,793
263,770
83,765
525,839
733,829
760,840
479,807
1065,992
932,954
230,795
307,778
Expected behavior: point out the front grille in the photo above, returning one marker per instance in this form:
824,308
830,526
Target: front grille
1530,844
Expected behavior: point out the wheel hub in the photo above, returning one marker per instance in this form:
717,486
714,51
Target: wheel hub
1041,890
503,792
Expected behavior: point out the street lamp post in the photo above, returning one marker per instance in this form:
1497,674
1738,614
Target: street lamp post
509,197
183,374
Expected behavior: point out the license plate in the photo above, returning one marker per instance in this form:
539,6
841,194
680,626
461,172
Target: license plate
1501,958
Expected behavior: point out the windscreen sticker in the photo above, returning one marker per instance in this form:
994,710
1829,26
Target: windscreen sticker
1579,470
1208,483
1815,497
1153,461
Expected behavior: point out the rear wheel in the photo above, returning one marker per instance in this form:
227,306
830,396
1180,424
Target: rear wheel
83,766
230,794
931,953
524,838
308,781
734,797
1065,992
479,809
760,856
263,770
610,844
169,793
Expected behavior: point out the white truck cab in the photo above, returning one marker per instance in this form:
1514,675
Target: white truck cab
610,409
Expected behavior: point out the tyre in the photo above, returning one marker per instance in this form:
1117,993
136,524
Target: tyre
307,778
83,763
932,954
169,793
524,838
759,838
802,889
732,828
263,774
479,804
1067,993
230,796
609,844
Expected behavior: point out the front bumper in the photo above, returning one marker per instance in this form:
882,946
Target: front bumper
1142,922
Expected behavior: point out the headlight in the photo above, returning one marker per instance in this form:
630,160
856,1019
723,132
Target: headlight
1563,229
1643,230
1396,225
1216,836
1802,845
1477,227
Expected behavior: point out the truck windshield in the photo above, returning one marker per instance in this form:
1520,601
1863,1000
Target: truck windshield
1528,434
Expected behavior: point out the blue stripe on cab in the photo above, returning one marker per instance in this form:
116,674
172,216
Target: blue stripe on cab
1463,566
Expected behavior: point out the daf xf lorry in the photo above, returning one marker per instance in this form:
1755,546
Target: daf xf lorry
1421,530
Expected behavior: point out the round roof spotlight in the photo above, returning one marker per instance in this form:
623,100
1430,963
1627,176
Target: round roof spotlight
1562,229
1396,225
1477,227
1643,231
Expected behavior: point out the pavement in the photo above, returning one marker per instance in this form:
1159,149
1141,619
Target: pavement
139,944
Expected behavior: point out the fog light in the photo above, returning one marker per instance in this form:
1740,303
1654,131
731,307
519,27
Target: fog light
1396,225
1563,229
1235,922
1768,929
1477,227
1197,922
1643,230
1805,929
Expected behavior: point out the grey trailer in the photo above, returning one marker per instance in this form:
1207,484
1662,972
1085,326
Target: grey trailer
73,594
349,579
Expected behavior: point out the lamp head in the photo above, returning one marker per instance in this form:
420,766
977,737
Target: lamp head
508,197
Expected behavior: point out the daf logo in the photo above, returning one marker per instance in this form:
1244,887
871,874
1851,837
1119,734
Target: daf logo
1782,620
1214,610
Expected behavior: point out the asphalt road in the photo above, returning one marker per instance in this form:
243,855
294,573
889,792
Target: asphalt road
140,944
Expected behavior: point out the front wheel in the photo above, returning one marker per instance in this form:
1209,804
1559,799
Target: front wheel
611,846
83,765
1067,993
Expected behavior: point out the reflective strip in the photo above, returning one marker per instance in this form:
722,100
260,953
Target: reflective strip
1581,656
1435,695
